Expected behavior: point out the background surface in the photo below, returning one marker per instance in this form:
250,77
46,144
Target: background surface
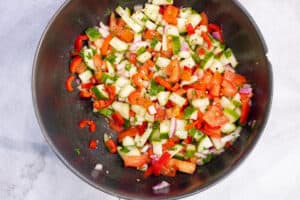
29,170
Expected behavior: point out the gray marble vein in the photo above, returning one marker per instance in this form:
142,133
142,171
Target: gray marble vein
29,170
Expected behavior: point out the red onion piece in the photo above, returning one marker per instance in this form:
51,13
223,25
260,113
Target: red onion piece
172,127
160,186
229,68
185,47
217,35
246,90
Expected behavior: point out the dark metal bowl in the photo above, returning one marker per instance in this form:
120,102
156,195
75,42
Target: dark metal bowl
59,112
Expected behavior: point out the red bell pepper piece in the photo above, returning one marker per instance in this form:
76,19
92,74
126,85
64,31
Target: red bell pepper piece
163,160
206,39
190,29
92,125
118,119
87,85
204,19
114,126
142,128
111,145
69,82
78,44
93,144
85,94
245,99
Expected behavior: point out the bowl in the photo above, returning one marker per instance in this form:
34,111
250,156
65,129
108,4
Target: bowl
59,112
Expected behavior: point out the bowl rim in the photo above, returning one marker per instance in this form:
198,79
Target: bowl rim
211,183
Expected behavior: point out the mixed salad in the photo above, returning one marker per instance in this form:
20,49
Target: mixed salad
166,82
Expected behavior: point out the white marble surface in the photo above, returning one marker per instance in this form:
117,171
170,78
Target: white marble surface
30,171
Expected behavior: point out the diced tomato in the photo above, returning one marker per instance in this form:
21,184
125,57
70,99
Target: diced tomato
78,44
201,51
186,74
129,132
111,145
142,128
161,81
135,161
215,85
150,34
212,132
85,94
215,117
90,123
132,58
69,82
188,140
190,29
214,28
204,19
115,126
228,89
86,85
169,169
148,172
236,79
77,61
118,119
170,14
160,114
93,144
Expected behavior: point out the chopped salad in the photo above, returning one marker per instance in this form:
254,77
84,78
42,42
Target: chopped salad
165,80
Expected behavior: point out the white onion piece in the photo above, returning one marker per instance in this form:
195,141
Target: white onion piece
172,127
135,46
104,32
138,7
229,68
103,26
200,155
99,167
185,47
145,148
160,186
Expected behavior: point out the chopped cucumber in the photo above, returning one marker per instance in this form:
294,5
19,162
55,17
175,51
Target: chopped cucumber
181,134
162,2
157,147
229,58
195,40
85,76
208,61
176,45
149,118
140,18
165,127
179,156
184,55
217,143
188,62
194,19
174,150
162,62
118,44
204,144
171,30
185,12
100,92
190,151
228,128
129,21
128,151
144,57
141,140
217,66
128,141
122,108
139,110
152,11
155,135
201,104
231,114
163,98
226,103
181,23
150,25
126,90
177,99
88,55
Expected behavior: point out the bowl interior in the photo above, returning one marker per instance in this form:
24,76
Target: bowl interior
59,112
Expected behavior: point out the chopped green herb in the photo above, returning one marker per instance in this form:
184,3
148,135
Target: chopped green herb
188,111
107,78
154,42
111,58
140,50
77,151
155,88
192,132
106,112
208,158
127,124
93,34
